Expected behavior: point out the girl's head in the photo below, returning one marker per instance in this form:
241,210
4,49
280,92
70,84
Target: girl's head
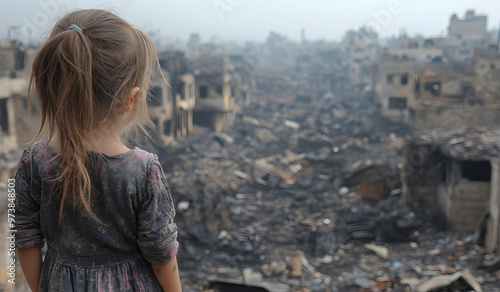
89,84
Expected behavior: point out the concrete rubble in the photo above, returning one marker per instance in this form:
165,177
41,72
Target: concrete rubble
269,207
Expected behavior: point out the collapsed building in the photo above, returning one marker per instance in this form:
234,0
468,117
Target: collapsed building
214,97
444,96
393,87
457,173
8,136
321,71
363,56
161,108
278,53
486,64
181,89
12,93
243,82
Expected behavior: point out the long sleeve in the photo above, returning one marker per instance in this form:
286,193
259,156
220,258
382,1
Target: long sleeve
157,230
27,215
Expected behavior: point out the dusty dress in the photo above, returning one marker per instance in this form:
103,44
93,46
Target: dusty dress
129,195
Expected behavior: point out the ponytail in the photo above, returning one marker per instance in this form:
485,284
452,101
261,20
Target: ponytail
62,72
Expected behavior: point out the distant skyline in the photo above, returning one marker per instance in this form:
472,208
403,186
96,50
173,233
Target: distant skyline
242,20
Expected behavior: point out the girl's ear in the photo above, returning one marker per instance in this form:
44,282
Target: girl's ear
129,101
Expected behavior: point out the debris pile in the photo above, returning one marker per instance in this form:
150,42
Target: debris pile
305,196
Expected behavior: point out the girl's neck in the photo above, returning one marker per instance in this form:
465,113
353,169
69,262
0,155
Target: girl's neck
108,143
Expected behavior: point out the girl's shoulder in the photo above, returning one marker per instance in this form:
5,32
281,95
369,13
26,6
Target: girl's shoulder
44,155
38,152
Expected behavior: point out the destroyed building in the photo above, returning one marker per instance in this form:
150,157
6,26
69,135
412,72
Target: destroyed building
486,64
363,55
321,71
182,87
242,81
8,137
466,34
454,172
214,98
444,96
278,53
419,49
12,92
393,87
161,108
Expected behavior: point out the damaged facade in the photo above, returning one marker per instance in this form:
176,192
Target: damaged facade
242,80
419,49
486,65
182,89
393,87
214,97
161,108
363,56
12,92
444,96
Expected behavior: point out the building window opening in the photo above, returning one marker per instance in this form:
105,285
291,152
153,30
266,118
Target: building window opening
434,88
4,117
180,90
167,125
404,79
390,79
397,103
203,91
219,89
417,88
476,170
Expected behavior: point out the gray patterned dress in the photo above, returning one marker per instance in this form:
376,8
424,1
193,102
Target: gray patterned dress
129,195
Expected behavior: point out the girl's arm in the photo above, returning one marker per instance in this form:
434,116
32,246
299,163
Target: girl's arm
168,275
31,263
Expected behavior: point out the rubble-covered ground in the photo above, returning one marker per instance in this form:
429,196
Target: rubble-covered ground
264,202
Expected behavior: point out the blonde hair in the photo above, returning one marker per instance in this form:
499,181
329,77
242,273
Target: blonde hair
81,80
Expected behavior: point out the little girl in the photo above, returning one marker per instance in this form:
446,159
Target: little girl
104,210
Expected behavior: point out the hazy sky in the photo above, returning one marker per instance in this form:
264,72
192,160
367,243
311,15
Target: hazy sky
253,19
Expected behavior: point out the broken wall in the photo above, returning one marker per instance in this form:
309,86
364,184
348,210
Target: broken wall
457,189
422,174
7,58
160,108
465,204
447,116
215,121
394,86
492,241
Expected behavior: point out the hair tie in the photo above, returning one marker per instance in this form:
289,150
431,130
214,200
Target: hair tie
75,27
